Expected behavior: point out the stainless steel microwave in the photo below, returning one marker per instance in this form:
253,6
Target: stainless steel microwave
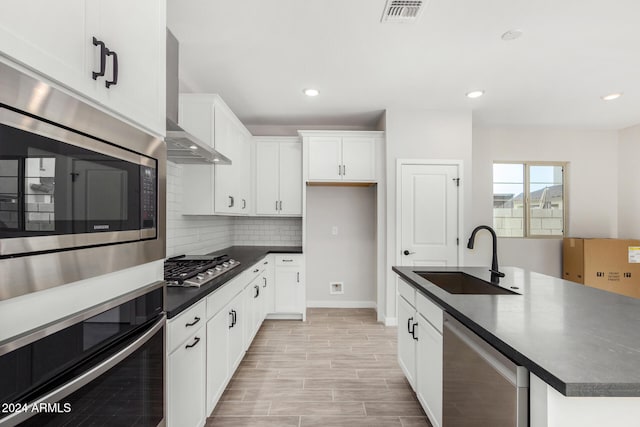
60,189
82,192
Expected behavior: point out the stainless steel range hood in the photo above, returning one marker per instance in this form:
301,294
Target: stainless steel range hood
183,147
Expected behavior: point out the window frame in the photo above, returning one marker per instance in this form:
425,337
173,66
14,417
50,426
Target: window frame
526,202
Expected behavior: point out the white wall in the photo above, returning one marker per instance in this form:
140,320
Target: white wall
628,187
202,234
423,134
349,256
592,180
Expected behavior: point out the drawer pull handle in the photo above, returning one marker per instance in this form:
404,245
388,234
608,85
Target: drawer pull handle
195,343
195,320
256,270
287,260
103,59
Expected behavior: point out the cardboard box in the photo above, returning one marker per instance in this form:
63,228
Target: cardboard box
609,264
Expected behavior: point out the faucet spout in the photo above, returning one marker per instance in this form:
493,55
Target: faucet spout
494,261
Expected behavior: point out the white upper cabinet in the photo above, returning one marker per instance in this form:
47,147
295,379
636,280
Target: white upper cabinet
58,48
89,48
333,156
278,176
358,159
219,189
325,158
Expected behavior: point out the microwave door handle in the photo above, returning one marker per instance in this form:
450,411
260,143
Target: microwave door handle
83,379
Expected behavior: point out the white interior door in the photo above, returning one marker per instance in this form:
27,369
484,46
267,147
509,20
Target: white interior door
429,215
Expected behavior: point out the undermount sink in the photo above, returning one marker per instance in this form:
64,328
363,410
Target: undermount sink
462,283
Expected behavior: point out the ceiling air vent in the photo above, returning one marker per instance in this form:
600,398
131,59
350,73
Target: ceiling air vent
401,11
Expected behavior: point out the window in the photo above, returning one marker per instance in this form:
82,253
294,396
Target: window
529,199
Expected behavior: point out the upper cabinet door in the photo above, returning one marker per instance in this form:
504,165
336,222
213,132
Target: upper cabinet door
267,178
325,160
49,37
358,159
135,34
290,178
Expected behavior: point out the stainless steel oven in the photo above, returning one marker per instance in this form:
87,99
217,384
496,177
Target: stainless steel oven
104,366
82,193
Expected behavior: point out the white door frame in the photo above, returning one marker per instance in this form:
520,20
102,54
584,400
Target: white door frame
426,162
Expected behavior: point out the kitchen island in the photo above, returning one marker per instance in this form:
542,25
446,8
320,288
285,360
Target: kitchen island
580,344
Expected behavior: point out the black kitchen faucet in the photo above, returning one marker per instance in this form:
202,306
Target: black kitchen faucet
495,273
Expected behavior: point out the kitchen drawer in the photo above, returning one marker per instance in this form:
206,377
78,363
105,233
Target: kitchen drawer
288,260
217,300
183,326
407,291
430,311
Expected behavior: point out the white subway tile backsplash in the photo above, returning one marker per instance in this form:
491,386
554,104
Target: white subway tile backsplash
202,234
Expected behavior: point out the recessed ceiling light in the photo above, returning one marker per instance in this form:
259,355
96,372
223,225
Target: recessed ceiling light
512,35
311,92
475,94
215,159
193,147
611,96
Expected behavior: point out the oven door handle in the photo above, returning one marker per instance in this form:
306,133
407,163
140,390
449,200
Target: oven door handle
84,379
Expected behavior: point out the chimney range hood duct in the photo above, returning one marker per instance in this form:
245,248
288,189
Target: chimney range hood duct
183,147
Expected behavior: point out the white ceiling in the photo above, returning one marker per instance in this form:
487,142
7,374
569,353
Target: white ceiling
260,54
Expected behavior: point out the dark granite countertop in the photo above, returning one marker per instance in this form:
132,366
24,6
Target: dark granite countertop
179,299
580,340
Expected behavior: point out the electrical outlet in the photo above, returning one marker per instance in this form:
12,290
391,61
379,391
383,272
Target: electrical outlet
334,230
336,288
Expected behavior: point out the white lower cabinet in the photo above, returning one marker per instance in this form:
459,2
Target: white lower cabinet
253,309
268,287
236,333
290,295
420,348
429,370
186,377
217,356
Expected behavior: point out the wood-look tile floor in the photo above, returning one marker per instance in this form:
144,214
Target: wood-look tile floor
339,368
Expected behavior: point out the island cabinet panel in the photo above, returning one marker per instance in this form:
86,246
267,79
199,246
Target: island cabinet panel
88,48
429,369
406,341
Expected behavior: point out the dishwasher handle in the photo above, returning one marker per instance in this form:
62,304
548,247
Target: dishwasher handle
515,374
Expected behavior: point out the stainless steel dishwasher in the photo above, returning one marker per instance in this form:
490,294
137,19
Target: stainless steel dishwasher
482,387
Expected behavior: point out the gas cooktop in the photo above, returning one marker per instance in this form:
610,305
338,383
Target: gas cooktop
196,270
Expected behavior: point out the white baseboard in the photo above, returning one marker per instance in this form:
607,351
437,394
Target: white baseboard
342,304
285,316
390,321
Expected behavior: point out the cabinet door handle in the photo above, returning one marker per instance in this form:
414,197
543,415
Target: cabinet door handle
257,288
413,331
230,201
276,205
298,277
195,320
195,343
265,282
340,170
235,318
409,320
244,204
108,84
103,59
344,170
231,314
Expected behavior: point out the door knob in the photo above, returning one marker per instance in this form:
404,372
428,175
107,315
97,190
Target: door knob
406,252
